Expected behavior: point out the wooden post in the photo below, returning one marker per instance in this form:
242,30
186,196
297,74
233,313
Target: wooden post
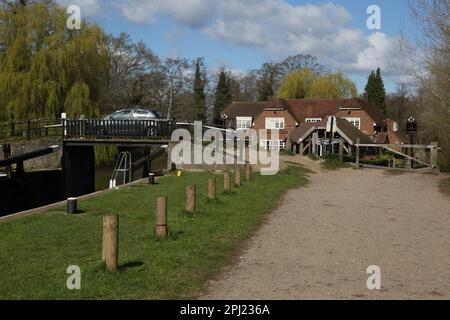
314,144
301,148
248,172
190,198
434,155
226,182
237,176
358,140
161,217
341,151
212,189
111,241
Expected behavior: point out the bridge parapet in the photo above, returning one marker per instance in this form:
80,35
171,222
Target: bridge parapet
118,129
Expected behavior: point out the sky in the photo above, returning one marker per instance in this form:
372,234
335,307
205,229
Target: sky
242,34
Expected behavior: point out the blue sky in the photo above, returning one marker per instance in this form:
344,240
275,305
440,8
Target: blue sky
242,34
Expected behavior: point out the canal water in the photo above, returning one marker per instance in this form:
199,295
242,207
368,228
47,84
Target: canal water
42,187
103,174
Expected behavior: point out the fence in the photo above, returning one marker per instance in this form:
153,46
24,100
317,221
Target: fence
14,131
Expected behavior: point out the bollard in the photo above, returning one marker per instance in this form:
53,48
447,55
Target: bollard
248,172
72,205
161,217
111,241
237,176
190,199
226,182
212,189
151,178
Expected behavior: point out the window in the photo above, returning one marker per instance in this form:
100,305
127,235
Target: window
314,120
276,145
274,123
355,121
243,122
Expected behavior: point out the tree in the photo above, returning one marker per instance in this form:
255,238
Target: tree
305,83
297,84
41,61
78,101
298,62
268,75
128,63
199,90
375,91
222,96
332,86
433,73
174,70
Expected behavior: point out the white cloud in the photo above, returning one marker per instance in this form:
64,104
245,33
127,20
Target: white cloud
275,26
88,7
192,13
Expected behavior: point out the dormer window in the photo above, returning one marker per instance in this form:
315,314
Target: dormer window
243,122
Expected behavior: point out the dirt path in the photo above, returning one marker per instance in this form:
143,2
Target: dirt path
320,241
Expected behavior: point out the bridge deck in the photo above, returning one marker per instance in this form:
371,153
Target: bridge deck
114,141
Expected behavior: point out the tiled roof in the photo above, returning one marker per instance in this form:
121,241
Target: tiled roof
305,108
349,131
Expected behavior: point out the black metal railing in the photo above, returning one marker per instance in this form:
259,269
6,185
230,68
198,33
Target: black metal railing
121,129
13,131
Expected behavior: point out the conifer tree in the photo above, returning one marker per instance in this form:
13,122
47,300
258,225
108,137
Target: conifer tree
199,91
375,91
222,96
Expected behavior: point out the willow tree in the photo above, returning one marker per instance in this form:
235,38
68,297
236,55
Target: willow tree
41,61
297,84
332,86
308,84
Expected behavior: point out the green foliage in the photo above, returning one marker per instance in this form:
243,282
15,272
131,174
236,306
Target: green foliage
332,162
375,91
199,90
105,155
307,84
41,61
222,96
78,102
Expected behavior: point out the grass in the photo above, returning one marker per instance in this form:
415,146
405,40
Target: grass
332,163
445,186
36,251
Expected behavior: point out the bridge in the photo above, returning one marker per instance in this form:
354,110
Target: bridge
78,138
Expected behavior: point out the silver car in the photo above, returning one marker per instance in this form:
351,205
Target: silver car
134,114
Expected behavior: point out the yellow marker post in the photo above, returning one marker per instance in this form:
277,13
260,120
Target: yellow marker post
179,173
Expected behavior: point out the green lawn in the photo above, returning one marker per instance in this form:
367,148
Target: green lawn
35,251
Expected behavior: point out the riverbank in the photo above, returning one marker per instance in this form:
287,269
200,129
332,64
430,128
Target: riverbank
37,250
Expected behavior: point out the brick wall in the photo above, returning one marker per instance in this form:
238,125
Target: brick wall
366,121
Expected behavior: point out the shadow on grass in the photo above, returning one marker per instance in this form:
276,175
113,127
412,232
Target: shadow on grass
129,265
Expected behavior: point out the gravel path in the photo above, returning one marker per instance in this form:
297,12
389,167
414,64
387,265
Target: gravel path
320,241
